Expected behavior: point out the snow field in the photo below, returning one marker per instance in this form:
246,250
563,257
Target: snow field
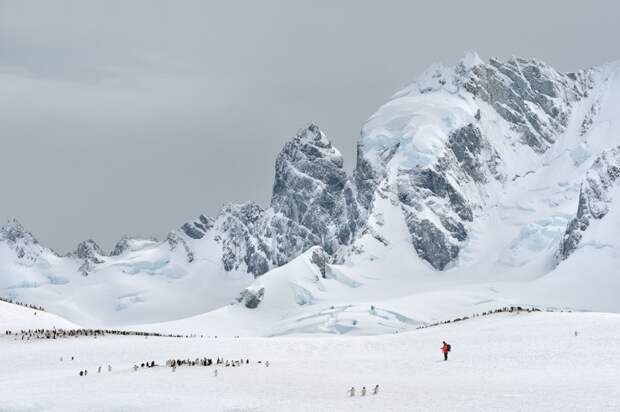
517,362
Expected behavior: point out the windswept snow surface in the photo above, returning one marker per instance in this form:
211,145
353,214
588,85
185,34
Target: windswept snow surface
506,362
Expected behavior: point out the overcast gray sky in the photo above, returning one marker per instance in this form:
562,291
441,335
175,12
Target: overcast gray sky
122,117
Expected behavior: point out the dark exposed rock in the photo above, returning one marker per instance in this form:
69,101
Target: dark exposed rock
367,176
437,184
430,243
513,88
13,231
174,240
594,199
90,254
239,233
197,228
429,189
466,144
121,246
89,249
320,259
251,298
439,188
312,189
22,242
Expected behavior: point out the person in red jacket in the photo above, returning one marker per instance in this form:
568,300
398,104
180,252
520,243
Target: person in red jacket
445,349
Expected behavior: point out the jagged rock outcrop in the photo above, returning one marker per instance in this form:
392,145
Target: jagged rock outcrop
121,246
174,240
594,199
257,240
90,254
313,203
198,228
320,259
129,243
239,233
437,168
251,297
89,249
532,96
312,189
427,146
22,242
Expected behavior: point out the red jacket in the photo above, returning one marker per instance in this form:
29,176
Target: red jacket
444,348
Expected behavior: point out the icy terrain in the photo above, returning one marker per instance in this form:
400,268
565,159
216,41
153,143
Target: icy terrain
507,362
477,186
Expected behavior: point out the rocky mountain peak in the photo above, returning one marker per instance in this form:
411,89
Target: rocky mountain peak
470,59
90,253
13,231
311,144
312,134
431,143
131,243
22,242
88,249
535,98
312,188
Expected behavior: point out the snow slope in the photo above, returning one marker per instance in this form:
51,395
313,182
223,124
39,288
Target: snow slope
15,317
149,281
528,362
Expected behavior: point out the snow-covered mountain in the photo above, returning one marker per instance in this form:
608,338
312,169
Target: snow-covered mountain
477,185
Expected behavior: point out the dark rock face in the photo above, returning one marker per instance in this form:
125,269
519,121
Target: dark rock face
313,203
466,144
289,237
428,189
440,189
13,231
312,189
516,87
198,228
22,242
90,254
367,175
121,246
251,298
174,241
259,240
431,243
89,249
238,228
320,259
594,199
125,244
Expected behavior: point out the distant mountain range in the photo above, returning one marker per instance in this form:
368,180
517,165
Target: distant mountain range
478,184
